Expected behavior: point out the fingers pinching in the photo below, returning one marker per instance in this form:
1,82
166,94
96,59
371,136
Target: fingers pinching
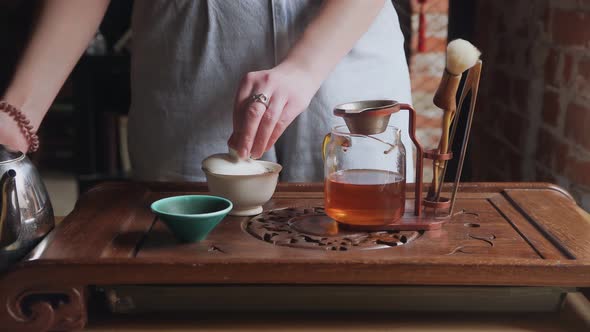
287,116
244,91
250,118
267,125
247,89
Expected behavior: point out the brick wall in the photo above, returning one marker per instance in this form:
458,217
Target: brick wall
533,120
426,69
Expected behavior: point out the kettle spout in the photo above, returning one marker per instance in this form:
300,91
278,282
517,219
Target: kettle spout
10,222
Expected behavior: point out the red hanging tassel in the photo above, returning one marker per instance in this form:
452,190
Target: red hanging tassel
422,28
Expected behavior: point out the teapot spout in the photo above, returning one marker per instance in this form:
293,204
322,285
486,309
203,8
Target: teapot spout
10,222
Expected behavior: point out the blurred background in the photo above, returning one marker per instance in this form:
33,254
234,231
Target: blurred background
532,121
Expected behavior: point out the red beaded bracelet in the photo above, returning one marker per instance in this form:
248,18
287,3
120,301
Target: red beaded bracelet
23,124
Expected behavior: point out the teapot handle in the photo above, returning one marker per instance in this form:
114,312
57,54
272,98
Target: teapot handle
419,158
325,143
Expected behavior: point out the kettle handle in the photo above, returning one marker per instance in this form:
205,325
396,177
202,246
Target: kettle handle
419,158
9,210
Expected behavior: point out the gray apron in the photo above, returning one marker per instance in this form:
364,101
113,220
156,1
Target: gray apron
189,56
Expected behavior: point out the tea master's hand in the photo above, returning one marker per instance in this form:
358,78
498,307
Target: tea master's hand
289,90
291,85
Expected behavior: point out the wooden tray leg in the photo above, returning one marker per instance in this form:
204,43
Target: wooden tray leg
44,309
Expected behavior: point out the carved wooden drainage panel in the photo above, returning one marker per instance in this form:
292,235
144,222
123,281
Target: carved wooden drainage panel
308,228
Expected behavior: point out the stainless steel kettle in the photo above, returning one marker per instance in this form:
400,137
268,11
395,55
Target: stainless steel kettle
26,214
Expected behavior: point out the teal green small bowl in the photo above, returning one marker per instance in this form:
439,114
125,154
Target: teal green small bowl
191,217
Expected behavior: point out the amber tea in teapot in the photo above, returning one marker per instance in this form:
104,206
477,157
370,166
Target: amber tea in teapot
364,176
365,196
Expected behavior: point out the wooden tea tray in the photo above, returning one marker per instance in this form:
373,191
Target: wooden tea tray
502,234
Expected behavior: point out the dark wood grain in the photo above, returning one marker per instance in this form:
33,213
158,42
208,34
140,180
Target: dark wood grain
502,234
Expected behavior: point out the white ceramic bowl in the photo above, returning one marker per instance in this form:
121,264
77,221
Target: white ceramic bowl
247,192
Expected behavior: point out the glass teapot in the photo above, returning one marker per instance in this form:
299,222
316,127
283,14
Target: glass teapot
365,165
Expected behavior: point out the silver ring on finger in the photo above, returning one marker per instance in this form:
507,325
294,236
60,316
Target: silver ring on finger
260,98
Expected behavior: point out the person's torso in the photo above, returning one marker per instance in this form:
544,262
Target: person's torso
188,58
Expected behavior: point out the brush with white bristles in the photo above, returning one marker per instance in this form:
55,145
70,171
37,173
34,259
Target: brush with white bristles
461,55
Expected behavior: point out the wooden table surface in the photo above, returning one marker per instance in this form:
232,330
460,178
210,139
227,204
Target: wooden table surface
503,235
326,322
575,316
